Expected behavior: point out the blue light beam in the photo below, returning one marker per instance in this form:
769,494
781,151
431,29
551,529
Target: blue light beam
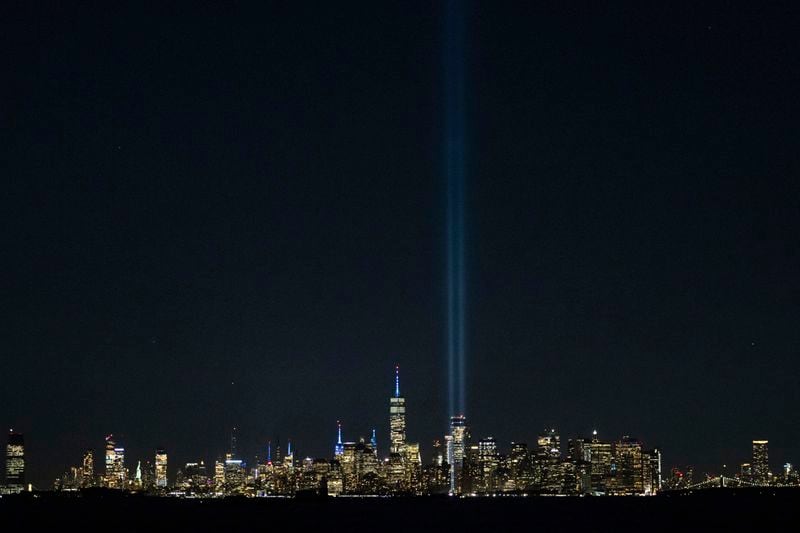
455,172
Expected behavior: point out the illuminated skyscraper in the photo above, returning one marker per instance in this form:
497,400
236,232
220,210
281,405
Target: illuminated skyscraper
548,471
288,460
161,468
339,448
760,463
550,444
459,434
628,459
278,460
488,462
521,468
651,468
219,474
195,476
111,477
347,459
601,457
87,469
15,462
397,417
234,474
119,467
469,477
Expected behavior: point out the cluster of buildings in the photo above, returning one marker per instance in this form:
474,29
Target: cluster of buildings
755,473
115,475
458,465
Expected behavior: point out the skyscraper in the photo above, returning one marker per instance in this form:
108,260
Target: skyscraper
87,469
219,474
549,444
601,458
161,468
651,468
119,467
397,417
349,472
760,466
288,460
520,465
15,462
459,434
628,456
339,448
111,460
233,443
488,462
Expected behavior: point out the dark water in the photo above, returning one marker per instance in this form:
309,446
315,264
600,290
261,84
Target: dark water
715,510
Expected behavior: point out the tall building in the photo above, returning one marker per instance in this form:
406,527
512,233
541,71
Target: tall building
488,463
219,474
161,468
195,476
548,470
449,453
580,455
651,471
288,460
111,476
278,460
579,450
119,467
550,444
339,448
413,465
761,473
347,460
457,447
234,473
436,475
601,458
15,462
628,460
397,417
87,469
233,443
470,476
520,466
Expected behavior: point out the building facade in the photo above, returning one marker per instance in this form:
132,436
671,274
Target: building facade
15,462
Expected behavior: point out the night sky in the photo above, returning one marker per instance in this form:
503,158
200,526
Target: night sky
227,214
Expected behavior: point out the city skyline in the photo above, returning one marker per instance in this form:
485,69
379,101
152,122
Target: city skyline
549,215
600,455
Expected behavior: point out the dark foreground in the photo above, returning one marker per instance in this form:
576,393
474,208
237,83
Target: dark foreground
712,510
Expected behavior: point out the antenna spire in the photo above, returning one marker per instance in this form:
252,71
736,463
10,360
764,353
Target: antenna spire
397,381
339,448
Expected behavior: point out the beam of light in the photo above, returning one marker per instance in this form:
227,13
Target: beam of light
455,172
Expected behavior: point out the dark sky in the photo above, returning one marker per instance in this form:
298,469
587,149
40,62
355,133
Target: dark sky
232,214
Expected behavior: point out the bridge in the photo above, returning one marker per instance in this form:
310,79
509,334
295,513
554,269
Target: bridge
720,482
